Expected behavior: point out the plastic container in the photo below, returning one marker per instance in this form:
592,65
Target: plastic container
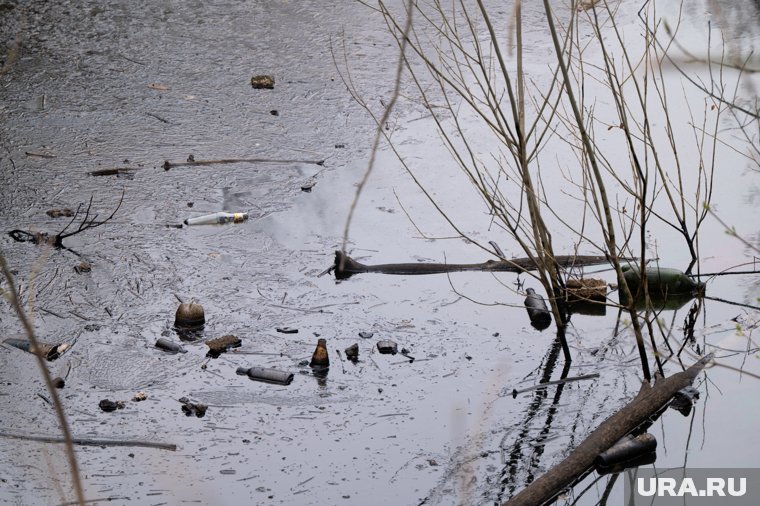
662,281
539,314
217,218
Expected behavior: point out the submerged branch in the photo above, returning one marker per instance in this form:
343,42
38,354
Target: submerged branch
92,442
648,402
345,266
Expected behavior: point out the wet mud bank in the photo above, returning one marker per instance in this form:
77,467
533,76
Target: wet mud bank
94,99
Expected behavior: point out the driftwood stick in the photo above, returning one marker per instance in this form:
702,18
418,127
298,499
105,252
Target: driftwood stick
192,163
92,442
345,266
648,402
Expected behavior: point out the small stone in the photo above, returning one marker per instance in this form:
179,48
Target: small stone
366,335
139,397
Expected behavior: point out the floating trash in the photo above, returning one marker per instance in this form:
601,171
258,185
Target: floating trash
221,344
168,345
286,330
629,451
684,400
352,352
262,82
219,218
189,315
540,317
387,347
108,405
662,281
320,357
139,397
193,408
267,375
49,351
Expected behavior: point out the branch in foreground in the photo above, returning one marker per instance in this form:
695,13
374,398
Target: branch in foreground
648,402
345,266
92,442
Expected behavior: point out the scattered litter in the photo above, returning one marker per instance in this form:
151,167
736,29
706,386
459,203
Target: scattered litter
127,172
49,351
586,289
83,267
193,408
352,353
221,344
167,345
366,335
387,347
267,375
320,359
108,405
262,82
306,187
189,315
219,218
158,86
627,452
540,317
286,330
58,213
405,353
39,155
139,397
684,400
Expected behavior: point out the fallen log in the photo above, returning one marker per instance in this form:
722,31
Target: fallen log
345,266
92,442
648,402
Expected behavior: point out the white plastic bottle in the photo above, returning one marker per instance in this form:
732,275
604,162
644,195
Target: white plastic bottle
217,218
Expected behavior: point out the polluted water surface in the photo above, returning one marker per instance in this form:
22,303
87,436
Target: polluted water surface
96,98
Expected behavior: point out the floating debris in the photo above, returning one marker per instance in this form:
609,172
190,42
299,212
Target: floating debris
193,408
108,405
221,344
684,400
387,347
58,213
540,317
266,375
586,289
189,315
262,82
366,335
83,267
49,351
219,218
167,345
625,451
139,397
320,358
661,281
286,330
352,353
